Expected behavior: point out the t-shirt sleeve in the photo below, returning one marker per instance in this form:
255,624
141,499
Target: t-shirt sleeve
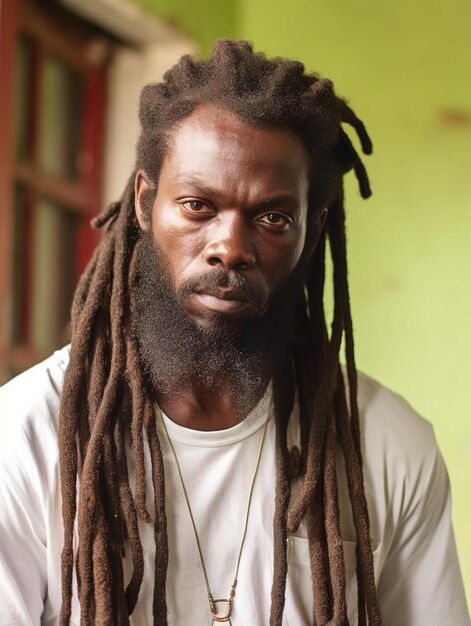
420,582
29,494
22,533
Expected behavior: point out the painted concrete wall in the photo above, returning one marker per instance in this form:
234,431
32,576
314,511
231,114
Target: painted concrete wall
405,69
205,20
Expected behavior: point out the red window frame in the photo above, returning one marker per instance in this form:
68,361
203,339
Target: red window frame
87,50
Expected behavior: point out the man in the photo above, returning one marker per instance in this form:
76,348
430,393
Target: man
199,456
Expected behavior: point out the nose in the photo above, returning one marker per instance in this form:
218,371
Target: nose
230,244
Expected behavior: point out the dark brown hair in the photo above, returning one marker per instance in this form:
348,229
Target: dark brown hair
104,399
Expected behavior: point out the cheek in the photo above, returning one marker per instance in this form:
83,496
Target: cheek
282,261
294,247
177,246
298,248
298,244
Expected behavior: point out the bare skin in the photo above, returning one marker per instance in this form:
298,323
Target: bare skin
235,197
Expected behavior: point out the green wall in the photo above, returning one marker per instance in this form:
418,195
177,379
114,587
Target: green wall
405,68
204,20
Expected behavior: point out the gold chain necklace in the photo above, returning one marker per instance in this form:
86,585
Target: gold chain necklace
226,616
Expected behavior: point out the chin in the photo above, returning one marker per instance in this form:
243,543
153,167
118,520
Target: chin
211,321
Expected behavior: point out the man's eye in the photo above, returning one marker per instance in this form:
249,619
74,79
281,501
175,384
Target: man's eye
275,219
195,206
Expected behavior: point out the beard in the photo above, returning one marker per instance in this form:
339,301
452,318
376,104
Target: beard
174,349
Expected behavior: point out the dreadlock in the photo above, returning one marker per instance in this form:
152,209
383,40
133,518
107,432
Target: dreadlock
105,406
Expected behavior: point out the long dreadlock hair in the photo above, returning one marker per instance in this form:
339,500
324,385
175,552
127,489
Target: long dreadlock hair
105,397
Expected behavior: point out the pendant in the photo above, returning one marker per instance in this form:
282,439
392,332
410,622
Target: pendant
219,618
222,617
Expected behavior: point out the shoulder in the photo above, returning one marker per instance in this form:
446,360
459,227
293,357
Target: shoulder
390,425
30,510
405,477
409,503
29,403
399,446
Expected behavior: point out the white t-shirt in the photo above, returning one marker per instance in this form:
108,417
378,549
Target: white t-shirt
406,486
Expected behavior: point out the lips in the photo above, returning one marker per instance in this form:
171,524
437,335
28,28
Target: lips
227,293
223,300
223,293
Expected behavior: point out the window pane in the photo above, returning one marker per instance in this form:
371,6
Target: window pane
53,274
22,97
60,118
19,266
66,272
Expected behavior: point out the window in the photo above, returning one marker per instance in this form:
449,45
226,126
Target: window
52,152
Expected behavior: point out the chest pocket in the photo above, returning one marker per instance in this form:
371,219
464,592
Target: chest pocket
298,606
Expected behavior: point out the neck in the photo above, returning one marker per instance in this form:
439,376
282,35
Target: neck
202,408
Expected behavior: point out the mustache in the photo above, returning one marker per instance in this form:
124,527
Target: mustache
221,278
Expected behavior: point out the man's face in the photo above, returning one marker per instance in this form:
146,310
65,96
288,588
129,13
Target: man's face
229,215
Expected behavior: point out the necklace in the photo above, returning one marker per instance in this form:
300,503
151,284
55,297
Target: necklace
226,616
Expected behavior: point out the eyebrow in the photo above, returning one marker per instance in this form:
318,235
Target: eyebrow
273,203
269,203
195,182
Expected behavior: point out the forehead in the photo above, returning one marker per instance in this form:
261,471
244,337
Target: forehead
214,142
